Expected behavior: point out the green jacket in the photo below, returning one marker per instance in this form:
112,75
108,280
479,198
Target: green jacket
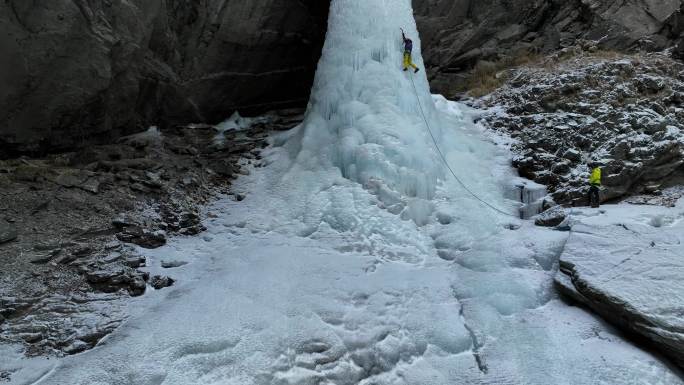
595,178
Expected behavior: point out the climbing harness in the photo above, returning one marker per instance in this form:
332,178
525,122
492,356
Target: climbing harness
446,163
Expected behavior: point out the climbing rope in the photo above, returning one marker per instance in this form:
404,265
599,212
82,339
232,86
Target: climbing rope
446,163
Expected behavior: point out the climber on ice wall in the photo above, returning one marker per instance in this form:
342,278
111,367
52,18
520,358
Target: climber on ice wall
408,48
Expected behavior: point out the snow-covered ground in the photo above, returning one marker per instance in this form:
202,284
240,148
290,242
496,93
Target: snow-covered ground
356,259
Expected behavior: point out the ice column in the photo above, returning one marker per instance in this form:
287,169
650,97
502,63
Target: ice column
363,116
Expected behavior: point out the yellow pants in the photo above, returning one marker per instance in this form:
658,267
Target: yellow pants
407,61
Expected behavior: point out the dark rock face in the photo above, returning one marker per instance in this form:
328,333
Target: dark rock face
76,72
458,34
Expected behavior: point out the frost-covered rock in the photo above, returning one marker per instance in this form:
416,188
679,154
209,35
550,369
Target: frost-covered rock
623,112
159,282
172,264
142,237
110,280
551,217
632,274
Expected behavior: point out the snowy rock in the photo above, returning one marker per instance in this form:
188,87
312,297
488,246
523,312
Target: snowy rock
551,217
561,168
159,282
185,223
10,306
632,275
123,221
150,138
61,326
31,337
112,257
142,237
172,264
181,61
112,280
76,347
135,262
190,224
623,113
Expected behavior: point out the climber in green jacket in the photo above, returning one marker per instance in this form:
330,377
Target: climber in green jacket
595,186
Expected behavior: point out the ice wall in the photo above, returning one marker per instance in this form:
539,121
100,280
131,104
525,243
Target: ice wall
367,118
363,115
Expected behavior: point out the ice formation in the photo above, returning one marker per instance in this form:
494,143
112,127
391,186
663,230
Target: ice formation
367,126
364,117
356,259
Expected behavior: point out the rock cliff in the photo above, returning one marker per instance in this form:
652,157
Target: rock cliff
458,34
75,72
631,274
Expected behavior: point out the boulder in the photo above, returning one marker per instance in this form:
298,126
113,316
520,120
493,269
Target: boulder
159,282
551,217
633,276
135,262
573,155
142,237
172,264
110,280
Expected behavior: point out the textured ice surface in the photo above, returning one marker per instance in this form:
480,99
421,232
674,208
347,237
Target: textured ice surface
354,259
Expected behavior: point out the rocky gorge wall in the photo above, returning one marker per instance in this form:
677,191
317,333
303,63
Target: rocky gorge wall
77,72
458,34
